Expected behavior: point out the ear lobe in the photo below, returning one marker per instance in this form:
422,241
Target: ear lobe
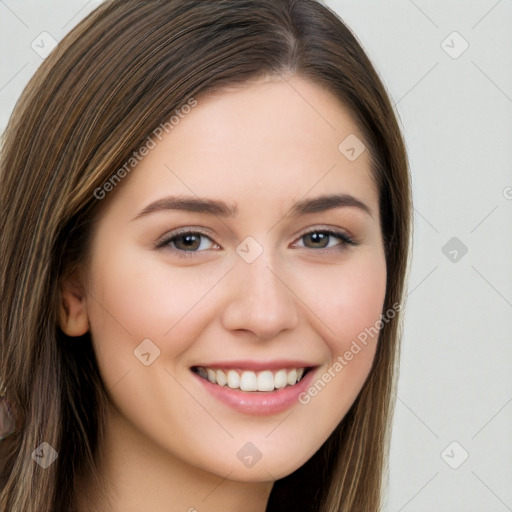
73,319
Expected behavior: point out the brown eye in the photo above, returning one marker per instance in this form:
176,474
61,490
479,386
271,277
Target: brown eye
317,240
187,242
325,239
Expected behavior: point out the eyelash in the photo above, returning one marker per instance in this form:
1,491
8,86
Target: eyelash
167,239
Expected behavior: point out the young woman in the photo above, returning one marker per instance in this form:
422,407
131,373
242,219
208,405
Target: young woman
205,216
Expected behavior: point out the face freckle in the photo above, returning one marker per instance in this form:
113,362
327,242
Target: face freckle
244,249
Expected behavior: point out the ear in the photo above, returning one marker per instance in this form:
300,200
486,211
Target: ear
73,317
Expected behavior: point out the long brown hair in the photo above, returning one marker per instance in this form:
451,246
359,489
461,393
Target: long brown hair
123,71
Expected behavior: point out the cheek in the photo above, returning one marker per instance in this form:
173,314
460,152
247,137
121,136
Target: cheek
134,297
347,298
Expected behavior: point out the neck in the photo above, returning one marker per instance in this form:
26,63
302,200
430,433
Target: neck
140,476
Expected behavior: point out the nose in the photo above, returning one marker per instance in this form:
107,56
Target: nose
260,301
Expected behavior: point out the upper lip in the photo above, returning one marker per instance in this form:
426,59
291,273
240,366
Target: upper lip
256,365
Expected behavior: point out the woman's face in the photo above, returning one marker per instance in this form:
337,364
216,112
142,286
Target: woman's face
245,247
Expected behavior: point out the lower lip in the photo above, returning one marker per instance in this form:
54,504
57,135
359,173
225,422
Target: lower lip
259,403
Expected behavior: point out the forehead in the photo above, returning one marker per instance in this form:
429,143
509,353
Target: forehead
271,142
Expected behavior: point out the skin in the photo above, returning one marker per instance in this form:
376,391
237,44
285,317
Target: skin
262,147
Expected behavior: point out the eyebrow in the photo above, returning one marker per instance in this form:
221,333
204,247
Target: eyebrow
323,203
223,209
190,204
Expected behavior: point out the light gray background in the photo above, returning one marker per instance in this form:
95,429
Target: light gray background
455,381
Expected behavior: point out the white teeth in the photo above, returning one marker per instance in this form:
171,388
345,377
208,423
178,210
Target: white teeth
221,378
291,378
211,376
233,379
251,381
248,381
266,381
280,379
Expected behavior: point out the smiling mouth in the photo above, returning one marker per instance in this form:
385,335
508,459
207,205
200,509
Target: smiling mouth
250,381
